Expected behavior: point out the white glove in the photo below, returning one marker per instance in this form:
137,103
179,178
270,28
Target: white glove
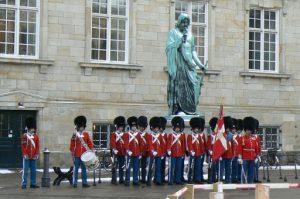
129,152
240,161
26,157
220,158
259,158
256,160
210,152
169,153
115,151
140,157
154,153
192,153
36,157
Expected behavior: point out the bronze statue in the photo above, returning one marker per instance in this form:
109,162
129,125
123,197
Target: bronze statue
184,86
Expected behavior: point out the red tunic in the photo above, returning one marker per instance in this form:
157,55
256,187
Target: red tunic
248,148
30,145
155,142
132,142
176,144
236,142
117,142
229,152
258,142
196,143
164,144
76,147
143,143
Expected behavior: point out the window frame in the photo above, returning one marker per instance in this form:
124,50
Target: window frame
17,9
110,128
205,25
262,31
264,135
109,16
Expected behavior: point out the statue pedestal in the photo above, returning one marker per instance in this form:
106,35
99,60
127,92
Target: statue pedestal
185,117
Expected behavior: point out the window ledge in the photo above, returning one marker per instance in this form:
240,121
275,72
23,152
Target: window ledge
42,63
89,66
249,75
212,74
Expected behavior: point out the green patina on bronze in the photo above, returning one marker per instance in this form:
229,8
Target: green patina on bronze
184,85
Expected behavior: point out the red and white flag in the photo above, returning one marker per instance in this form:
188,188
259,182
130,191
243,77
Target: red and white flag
220,145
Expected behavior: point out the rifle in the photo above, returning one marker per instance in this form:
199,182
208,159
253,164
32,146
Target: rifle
113,170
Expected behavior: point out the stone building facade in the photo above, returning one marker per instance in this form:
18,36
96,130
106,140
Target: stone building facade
103,58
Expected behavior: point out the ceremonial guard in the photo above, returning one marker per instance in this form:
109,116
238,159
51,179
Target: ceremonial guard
164,135
228,155
132,140
196,147
80,143
176,149
30,146
211,178
155,146
248,150
118,149
236,141
142,125
258,159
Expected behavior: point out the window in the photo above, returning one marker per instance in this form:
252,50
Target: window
263,40
110,31
198,14
101,135
270,138
19,24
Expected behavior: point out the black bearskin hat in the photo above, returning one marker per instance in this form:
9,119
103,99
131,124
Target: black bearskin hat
120,121
228,122
212,123
163,122
249,124
178,122
234,123
132,121
142,121
240,125
30,123
80,121
155,122
197,122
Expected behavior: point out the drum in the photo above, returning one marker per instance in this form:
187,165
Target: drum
90,160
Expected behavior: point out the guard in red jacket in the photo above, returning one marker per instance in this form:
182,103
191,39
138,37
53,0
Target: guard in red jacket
228,154
176,149
142,125
258,159
30,146
132,140
80,143
209,145
248,149
236,141
155,146
164,145
117,146
196,147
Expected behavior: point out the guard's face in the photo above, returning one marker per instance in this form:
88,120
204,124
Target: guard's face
156,129
141,128
183,26
133,128
196,130
32,130
177,129
81,128
120,128
248,132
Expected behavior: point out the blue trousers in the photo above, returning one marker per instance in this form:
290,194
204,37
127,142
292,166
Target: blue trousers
157,164
121,162
163,168
225,164
176,163
78,163
29,163
144,168
197,170
248,166
234,171
256,171
211,172
135,165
